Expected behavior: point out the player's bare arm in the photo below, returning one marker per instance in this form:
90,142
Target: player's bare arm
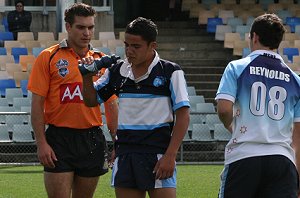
45,153
225,112
165,166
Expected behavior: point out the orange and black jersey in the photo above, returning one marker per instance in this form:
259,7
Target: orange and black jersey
56,77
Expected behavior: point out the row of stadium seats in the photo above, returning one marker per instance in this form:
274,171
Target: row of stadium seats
50,36
187,5
195,8
9,87
12,132
15,48
19,133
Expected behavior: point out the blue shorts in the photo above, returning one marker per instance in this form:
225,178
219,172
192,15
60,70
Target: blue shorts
82,151
272,176
135,170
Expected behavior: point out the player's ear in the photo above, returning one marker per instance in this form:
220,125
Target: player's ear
255,37
68,26
153,45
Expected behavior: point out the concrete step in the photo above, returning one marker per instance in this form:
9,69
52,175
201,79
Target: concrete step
177,24
199,54
189,46
203,70
203,77
184,39
209,94
204,62
203,85
201,57
181,32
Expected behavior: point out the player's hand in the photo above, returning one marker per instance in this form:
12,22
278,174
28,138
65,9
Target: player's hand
86,65
91,65
112,159
46,155
164,167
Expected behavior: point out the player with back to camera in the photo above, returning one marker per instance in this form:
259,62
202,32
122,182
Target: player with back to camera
258,102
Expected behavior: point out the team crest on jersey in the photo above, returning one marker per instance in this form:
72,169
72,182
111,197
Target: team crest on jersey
62,65
159,81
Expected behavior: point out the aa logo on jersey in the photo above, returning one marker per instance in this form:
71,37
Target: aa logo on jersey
71,93
159,81
62,65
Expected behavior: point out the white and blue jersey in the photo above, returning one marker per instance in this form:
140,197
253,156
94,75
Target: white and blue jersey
146,104
265,93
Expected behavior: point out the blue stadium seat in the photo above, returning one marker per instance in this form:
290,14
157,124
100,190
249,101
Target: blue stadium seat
233,22
208,3
250,20
120,51
6,36
290,52
246,51
265,3
3,51
23,85
292,22
212,24
297,29
242,30
5,23
105,50
283,14
2,28
6,83
37,50
17,51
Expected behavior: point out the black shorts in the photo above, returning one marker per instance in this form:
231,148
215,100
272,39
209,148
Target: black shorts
272,176
82,151
135,170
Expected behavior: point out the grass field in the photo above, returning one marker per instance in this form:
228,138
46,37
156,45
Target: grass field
193,181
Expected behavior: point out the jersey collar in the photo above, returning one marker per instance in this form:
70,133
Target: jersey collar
266,52
126,70
64,44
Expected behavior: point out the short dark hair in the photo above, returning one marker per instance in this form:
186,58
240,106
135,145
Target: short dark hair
78,9
143,27
21,2
269,28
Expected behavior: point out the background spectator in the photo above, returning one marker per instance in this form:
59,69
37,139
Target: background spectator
19,20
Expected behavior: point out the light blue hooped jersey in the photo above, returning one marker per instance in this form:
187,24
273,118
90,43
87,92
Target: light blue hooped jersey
265,93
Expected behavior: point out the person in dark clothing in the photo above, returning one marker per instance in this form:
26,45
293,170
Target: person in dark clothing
19,20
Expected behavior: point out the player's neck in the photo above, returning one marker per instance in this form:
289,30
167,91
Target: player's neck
81,52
